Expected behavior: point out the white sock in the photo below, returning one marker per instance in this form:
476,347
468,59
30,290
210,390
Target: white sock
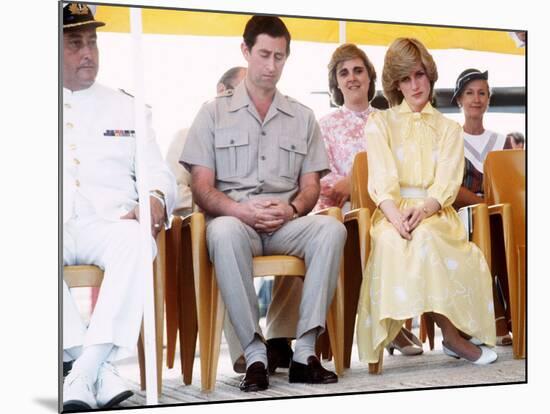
255,351
305,346
68,356
92,357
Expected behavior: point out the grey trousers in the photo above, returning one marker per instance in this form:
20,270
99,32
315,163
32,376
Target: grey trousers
281,318
319,240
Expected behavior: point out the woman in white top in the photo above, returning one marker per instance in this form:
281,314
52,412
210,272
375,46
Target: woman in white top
472,94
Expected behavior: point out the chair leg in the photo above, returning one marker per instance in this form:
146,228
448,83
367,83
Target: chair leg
335,323
353,276
159,336
516,278
409,324
141,360
322,347
187,309
427,330
376,368
173,263
159,351
211,315
422,330
519,339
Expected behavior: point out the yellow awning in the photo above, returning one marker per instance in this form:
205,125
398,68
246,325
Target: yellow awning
179,22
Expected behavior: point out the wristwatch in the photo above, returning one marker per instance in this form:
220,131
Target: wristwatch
295,215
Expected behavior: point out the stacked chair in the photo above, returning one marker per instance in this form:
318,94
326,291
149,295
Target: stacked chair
504,186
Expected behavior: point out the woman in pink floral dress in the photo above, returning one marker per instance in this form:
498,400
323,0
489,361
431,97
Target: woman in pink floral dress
351,80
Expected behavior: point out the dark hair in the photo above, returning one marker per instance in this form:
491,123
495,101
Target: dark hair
228,77
269,25
465,78
342,53
517,137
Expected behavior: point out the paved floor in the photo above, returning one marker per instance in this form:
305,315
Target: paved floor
429,370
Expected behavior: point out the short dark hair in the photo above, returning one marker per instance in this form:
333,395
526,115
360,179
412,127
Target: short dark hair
229,76
269,25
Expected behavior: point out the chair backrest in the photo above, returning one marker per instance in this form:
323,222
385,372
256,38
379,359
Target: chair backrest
359,183
504,182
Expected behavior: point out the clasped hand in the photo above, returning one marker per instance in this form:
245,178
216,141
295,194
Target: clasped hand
407,220
266,215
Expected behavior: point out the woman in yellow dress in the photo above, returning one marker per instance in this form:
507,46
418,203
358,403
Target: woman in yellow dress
421,260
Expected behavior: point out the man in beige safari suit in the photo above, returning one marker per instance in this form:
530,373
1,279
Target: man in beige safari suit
256,158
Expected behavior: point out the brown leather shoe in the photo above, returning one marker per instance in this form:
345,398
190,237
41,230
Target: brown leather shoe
312,373
279,354
255,379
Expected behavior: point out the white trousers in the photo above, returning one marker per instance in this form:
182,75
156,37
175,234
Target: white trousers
114,247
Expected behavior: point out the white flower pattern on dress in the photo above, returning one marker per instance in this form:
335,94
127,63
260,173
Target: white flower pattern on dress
451,264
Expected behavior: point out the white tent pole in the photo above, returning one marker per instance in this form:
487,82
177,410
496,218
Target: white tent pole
145,211
342,31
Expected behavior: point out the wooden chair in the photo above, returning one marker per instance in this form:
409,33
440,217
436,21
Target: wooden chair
92,276
356,253
504,186
211,309
181,310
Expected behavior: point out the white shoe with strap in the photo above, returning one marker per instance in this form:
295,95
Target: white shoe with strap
111,389
78,392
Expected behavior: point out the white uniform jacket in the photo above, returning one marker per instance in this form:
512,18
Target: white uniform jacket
99,148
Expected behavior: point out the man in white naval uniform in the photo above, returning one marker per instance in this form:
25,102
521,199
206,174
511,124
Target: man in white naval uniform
256,157
100,213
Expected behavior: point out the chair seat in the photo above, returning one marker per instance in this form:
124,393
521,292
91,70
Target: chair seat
278,265
210,306
83,276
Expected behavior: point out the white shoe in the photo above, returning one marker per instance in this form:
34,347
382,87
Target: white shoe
78,393
487,355
111,389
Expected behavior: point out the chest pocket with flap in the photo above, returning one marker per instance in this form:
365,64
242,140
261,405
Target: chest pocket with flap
292,152
232,153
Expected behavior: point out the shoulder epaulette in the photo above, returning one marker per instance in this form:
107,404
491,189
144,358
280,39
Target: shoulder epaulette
226,93
132,96
296,101
126,93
